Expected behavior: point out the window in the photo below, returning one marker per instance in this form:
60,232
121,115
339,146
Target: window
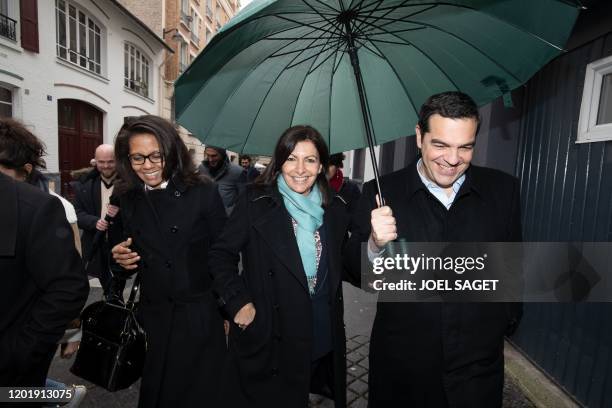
185,15
595,123
209,35
7,24
184,56
136,70
77,37
6,102
209,10
195,26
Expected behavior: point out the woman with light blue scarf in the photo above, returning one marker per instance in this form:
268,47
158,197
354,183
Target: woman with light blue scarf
286,309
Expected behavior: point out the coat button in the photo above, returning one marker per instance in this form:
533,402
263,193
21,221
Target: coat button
168,264
271,272
177,193
174,229
276,306
274,371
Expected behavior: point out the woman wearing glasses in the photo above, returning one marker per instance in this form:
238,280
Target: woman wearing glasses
169,216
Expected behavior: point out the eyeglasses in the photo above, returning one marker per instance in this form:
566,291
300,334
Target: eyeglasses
155,157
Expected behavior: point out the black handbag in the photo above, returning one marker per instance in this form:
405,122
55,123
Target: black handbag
113,345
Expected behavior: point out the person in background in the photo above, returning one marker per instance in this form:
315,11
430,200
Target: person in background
227,175
91,202
347,189
170,216
43,285
250,172
287,334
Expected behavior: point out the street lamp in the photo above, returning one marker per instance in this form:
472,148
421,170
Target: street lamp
175,37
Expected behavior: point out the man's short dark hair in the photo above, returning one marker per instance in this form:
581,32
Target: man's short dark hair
336,159
452,105
245,157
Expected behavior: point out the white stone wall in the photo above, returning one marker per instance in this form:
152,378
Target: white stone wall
39,80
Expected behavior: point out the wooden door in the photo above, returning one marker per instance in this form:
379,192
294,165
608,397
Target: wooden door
80,132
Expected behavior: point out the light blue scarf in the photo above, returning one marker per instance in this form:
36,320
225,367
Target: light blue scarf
307,212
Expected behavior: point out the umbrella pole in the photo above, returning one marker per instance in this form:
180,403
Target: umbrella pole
352,51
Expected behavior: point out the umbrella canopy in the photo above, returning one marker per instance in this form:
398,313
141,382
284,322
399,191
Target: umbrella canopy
287,62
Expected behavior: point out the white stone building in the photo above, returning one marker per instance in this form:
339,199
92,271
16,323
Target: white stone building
72,70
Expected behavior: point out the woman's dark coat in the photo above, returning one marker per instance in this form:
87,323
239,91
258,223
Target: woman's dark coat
273,354
172,230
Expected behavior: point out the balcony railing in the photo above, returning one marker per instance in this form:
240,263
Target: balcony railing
195,38
186,19
7,27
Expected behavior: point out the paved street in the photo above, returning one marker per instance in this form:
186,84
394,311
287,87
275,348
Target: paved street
359,314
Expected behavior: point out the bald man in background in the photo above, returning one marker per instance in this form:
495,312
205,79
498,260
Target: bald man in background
91,203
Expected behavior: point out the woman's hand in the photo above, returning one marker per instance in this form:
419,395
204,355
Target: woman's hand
245,316
124,256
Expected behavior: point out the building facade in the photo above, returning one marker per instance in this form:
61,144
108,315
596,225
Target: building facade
72,70
186,26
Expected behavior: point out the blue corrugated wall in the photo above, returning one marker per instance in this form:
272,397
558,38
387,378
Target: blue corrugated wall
566,196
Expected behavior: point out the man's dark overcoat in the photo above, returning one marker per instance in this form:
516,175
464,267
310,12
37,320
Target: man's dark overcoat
43,284
440,354
172,230
88,207
273,354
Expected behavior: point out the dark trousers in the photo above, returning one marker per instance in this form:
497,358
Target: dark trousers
322,376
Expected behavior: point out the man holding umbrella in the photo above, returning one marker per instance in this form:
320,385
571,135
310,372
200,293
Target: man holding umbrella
439,354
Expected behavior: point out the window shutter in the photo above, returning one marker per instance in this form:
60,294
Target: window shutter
29,24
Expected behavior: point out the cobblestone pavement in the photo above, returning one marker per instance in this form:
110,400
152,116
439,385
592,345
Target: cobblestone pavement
360,308
357,380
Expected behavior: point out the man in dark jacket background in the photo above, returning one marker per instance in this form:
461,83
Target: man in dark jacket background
437,355
91,203
228,176
43,283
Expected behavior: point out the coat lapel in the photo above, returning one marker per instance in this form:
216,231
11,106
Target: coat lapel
276,231
8,220
97,195
334,222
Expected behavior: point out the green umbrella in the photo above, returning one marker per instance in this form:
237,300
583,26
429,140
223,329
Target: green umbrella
359,70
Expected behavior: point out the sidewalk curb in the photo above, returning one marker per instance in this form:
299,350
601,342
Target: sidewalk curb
534,384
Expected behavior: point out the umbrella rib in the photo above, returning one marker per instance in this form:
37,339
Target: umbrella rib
375,52
324,60
309,47
333,23
340,60
368,34
303,24
425,55
487,14
377,18
370,12
263,101
328,6
291,40
314,56
231,94
400,79
487,56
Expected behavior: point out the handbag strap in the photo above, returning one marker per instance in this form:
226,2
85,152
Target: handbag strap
135,286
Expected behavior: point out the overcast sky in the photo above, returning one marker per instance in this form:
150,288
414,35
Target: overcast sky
244,3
